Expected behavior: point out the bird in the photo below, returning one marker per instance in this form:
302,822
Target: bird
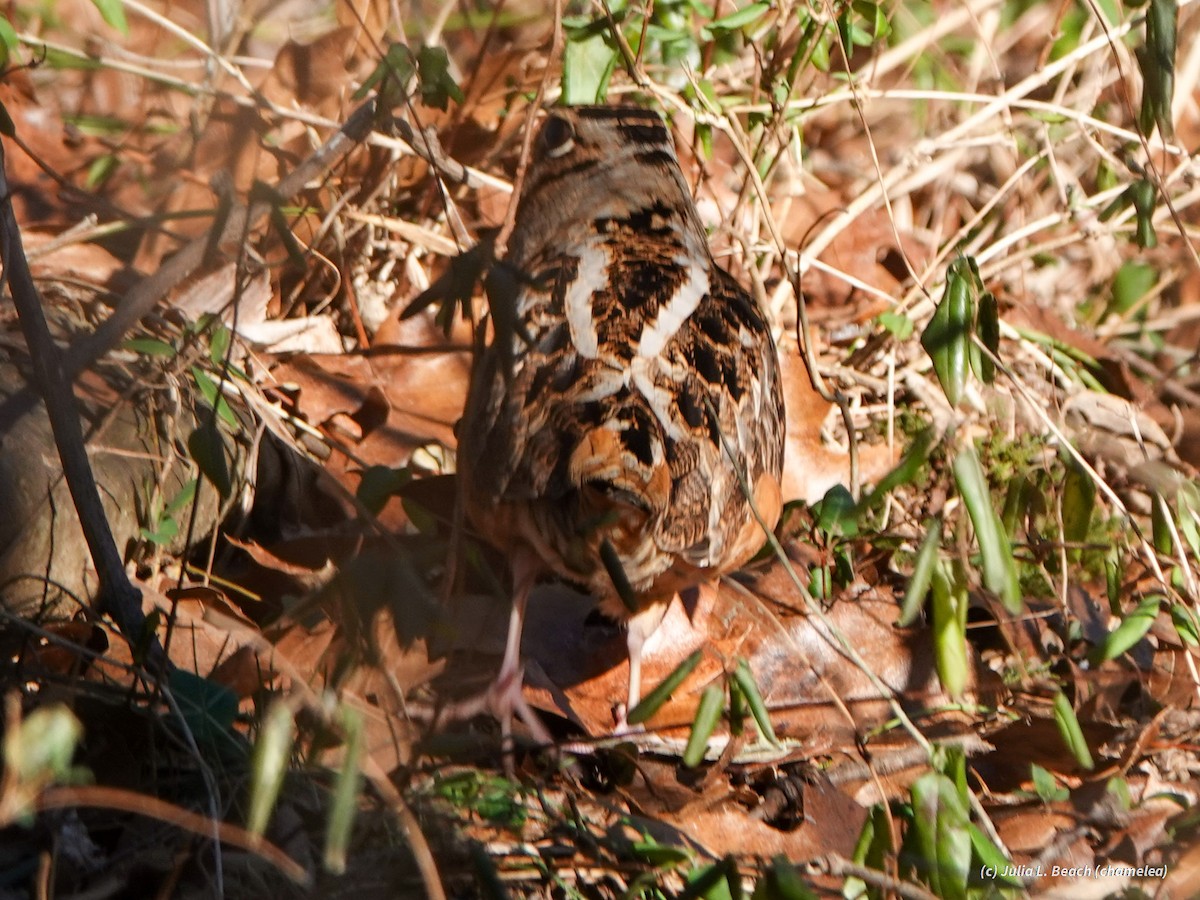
624,426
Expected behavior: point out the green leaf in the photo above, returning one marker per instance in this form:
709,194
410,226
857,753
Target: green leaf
1046,786
1156,59
218,343
1117,788
1118,203
379,484
1078,502
749,690
999,567
704,134
1187,500
990,857
178,503
747,15
922,574
948,614
737,708
345,793
821,48
877,17
1144,197
660,855
906,471
1070,27
64,59
498,801
820,584
213,396
588,62
1160,526
987,328
1114,576
708,714
269,764
150,347
939,839
652,702
165,530
782,881
1072,734
1185,624
711,882
424,521
900,325
101,168
1016,502
390,77
208,708
872,849
1132,629
1133,281
836,513
947,337
438,86
9,42
206,446
113,12
40,750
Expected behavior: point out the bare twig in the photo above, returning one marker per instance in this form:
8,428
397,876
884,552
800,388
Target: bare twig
840,867
102,797
423,855
52,378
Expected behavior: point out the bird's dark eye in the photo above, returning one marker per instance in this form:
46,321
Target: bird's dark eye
557,138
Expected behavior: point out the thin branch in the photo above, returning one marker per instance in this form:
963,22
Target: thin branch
52,378
101,797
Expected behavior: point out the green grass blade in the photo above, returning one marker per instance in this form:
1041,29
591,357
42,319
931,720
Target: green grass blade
1131,630
272,754
345,794
708,714
653,701
949,609
1072,734
749,690
999,568
923,566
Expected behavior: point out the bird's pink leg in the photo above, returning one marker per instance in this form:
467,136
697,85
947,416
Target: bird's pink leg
504,697
642,624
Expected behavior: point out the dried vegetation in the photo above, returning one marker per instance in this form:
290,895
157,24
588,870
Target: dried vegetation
975,638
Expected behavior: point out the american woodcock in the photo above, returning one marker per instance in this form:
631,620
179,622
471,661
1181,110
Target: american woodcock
629,381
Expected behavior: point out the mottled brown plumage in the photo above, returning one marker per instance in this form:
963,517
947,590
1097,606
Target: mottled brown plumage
631,381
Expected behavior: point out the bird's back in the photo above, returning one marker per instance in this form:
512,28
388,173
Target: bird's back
629,378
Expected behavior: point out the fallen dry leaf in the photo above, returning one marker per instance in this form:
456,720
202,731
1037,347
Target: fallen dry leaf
810,467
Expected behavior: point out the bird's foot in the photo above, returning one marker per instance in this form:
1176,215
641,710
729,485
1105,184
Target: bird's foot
621,724
504,701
